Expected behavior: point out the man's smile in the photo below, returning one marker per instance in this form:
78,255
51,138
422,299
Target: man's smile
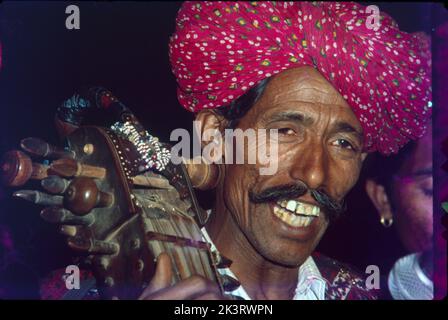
295,213
297,218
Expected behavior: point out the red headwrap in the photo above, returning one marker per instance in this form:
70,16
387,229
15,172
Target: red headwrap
221,49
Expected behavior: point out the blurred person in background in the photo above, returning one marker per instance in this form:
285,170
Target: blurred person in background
401,189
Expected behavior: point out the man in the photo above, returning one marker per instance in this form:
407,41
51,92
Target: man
335,86
319,149
334,89
402,192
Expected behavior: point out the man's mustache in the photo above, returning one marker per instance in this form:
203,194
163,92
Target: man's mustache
332,208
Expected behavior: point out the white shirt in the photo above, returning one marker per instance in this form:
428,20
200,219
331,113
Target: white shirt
310,285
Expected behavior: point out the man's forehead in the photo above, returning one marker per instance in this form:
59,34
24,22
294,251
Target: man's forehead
304,93
304,84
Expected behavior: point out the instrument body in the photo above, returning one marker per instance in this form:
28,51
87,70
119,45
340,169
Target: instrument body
142,222
117,217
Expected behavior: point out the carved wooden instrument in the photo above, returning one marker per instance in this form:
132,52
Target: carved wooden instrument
116,215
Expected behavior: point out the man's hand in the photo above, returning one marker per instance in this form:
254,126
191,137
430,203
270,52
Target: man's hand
192,288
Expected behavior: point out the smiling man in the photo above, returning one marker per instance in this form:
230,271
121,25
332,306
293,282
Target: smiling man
335,87
402,193
277,221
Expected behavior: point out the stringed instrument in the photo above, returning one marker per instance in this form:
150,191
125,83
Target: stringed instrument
117,197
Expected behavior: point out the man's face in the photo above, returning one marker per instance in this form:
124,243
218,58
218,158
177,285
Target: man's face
319,145
412,198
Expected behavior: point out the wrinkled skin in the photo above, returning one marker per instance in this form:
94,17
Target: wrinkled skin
319,144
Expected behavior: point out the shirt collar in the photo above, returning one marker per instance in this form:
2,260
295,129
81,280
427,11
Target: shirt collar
310,285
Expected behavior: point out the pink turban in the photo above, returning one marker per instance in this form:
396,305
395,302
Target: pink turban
222,49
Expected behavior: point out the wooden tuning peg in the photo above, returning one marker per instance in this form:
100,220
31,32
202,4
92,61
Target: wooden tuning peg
93,246
82,195
63,216
55,184
71,168
43,149
17,168
39,197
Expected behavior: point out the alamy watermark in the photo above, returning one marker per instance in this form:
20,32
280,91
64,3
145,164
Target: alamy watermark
373,278
73,20
236,147
72,277
373,21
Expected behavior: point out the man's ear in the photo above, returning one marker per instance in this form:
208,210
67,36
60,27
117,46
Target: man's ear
209,121
378,196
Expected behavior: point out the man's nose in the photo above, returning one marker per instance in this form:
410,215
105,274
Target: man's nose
310,165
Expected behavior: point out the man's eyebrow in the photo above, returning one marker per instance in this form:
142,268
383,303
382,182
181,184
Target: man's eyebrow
342,126
289,116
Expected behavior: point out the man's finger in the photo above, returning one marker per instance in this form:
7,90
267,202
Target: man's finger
162,277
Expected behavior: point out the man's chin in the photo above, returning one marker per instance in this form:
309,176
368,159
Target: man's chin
286,255
289,262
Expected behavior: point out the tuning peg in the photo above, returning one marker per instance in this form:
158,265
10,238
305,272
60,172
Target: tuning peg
55,184
93,246
39,197
17,168
39,171
61,215
229,283
41,148
203,176
82,195
71,168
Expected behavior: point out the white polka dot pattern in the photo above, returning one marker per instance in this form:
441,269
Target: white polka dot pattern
221,49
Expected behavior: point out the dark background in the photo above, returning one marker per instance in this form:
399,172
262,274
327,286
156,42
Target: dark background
124,47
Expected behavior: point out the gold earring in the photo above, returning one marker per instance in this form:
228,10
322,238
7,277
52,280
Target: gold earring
387,223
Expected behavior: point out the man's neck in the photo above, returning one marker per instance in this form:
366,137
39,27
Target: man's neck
261,278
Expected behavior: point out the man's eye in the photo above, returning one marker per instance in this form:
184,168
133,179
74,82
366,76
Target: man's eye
344,144
286,131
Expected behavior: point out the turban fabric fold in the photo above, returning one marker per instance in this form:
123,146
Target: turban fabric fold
221,49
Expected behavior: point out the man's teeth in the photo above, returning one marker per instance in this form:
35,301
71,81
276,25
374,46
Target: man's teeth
292,219
296,213
299,208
